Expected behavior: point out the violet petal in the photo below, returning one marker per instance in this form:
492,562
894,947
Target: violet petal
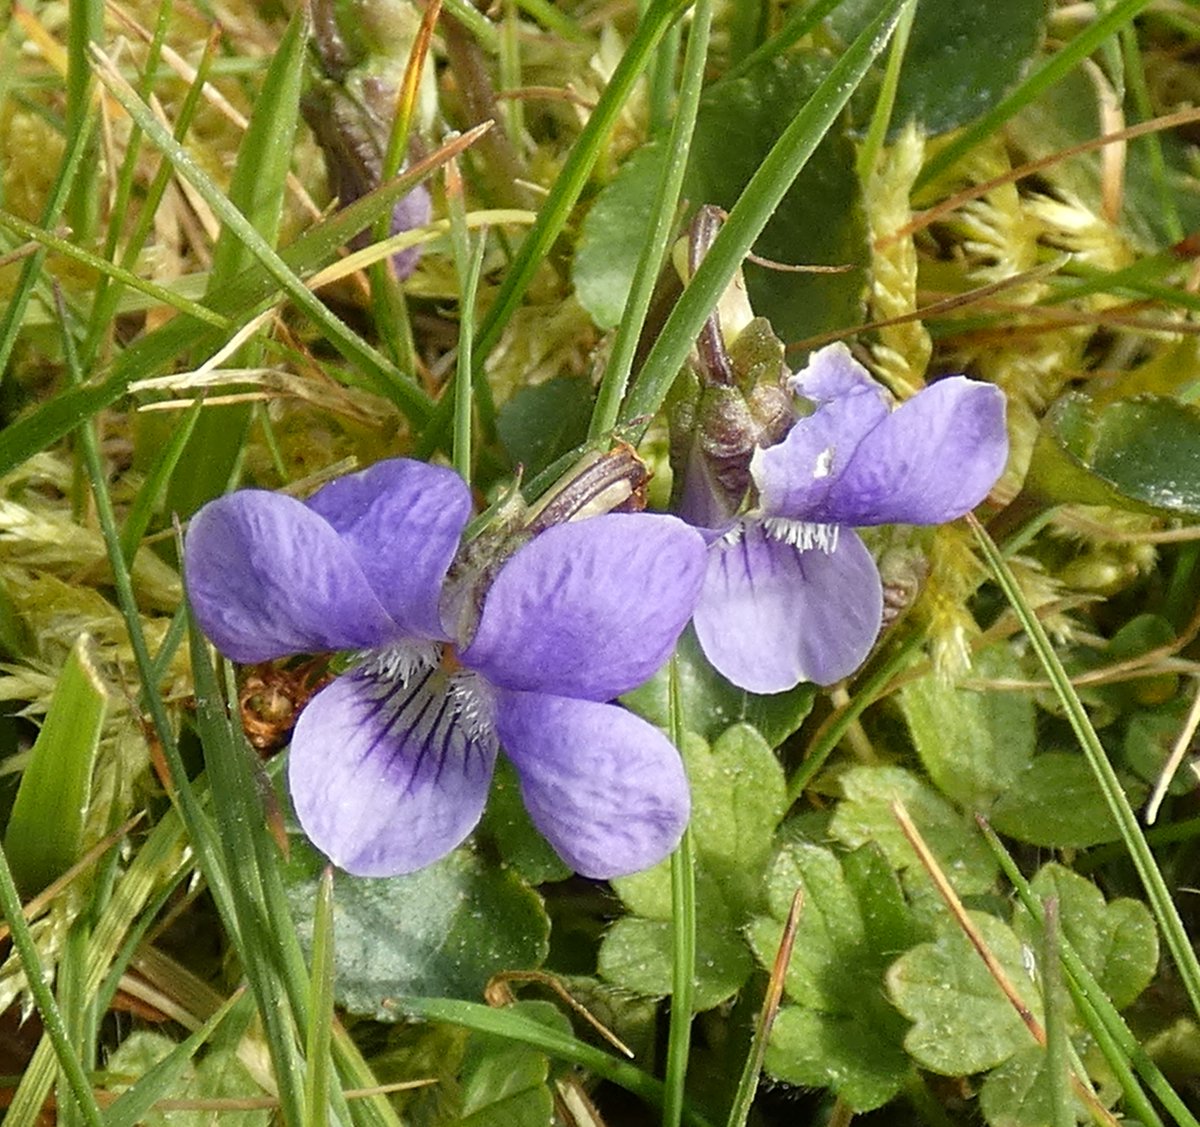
402,519
931,460
385,779
267,576
590,609
799,477
605,788
772,615
833,373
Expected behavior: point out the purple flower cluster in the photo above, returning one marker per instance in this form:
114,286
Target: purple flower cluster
791,593
390,764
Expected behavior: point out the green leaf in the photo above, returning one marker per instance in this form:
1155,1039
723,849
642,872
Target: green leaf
1020,1092
840,1032
257,190
865,814
638,954
854,1058
1116,941
738,798
818,221
1141,454
973,744
219,1075
711,704
960,61
1056,802
506,819
444,930
612,236
46,828
962,1022
505,1083
541,423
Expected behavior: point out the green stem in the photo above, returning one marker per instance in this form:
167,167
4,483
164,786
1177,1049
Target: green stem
865,695
683,932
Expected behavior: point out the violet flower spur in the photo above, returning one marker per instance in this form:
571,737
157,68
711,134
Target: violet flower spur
390,764
791,593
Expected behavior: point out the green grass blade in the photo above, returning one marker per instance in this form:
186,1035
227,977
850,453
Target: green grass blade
397,385
1057,66
234,798
683,943
78,254
132,1105
264,158
1058,1045
14,312
320,1017
245,298
663,209
45,832
52,1019
1173,931
556,210
257,190
752,211
515,1026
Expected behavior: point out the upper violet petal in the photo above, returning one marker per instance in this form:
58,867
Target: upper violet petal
402,519
590,609
267,576
605,788
386,778
931,460
798,477
773,615
833,373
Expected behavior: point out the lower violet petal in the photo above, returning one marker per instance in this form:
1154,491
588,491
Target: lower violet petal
605,788
773,615
386,776
267,576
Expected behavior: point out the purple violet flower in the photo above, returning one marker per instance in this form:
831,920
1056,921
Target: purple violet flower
791,593
390,764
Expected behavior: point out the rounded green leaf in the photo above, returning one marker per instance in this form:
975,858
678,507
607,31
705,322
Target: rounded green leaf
637,954
819,220
1141,454
962,1022
1057,803
442,931
865,815
973,744
960,60
859,1060
1116,941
